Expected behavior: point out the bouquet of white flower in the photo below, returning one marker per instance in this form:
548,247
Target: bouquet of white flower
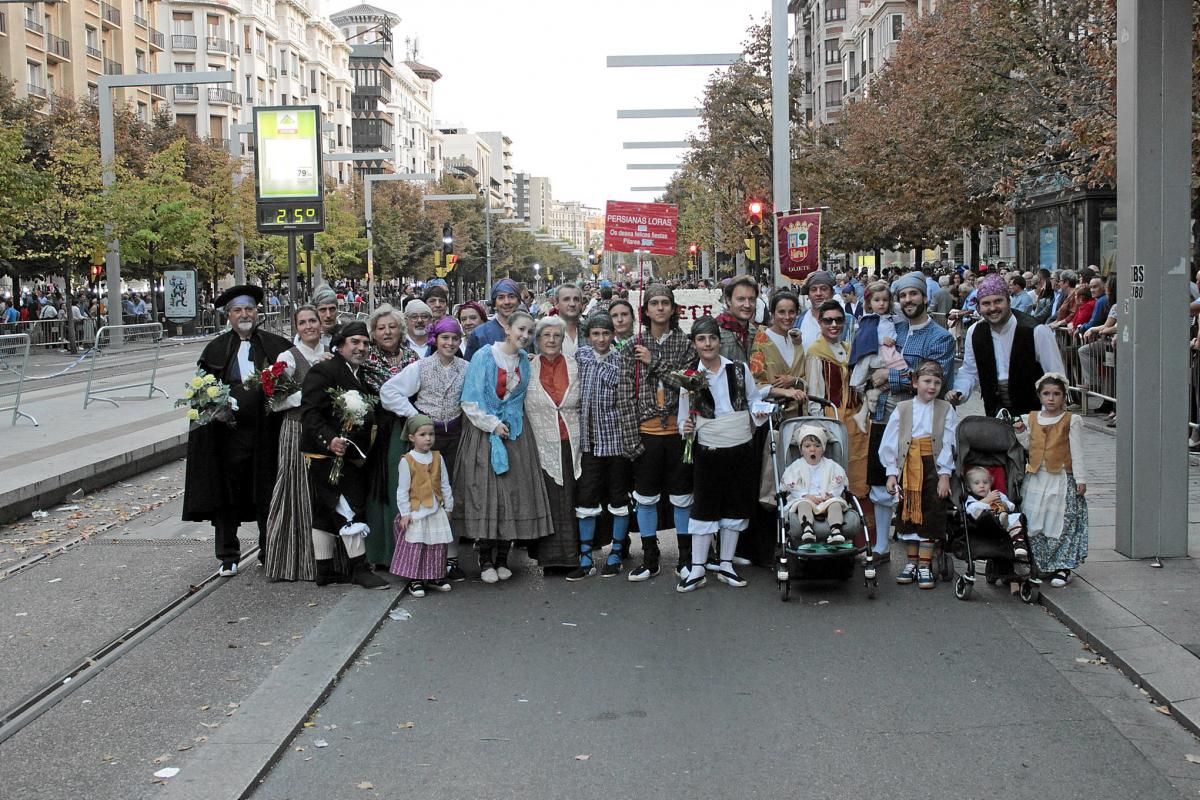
351,408
207,399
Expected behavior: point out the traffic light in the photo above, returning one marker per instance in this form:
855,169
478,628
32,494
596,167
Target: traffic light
693,249
751,249
447,239
755,212
95,272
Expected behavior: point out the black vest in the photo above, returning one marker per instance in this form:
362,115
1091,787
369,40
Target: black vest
1023,367
735,375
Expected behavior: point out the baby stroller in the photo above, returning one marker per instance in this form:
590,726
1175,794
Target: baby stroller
989,442
795,560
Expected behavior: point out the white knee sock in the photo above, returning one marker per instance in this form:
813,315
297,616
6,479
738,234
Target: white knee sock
729,540
883,528
324,545
701,542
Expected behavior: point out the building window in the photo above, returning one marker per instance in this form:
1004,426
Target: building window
142,112
835,10
833,55
139,60
833,94
897,27
182,24
246,40
35,73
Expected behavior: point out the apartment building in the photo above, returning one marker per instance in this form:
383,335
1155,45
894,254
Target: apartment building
62,49
502,168
368,30
521,195
470,155
540,201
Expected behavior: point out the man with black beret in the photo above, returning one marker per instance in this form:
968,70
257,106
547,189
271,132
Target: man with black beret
230,471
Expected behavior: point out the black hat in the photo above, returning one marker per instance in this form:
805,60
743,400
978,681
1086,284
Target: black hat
233,292
344,332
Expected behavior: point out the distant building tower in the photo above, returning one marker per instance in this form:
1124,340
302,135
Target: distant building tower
368,31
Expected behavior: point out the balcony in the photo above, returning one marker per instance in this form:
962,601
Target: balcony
34,27
57,49
94,52
3,23
158,39
183,41
141,71
216,44
159,92
384,92
219,94
188,92
110,14
140,21
113,67
273,72
36,91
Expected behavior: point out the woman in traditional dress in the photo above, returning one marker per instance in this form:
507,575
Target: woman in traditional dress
499,494
552,411
387,357
776,360
289,523
827,375
436,383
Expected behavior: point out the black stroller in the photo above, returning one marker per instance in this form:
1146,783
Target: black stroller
991,443
795,560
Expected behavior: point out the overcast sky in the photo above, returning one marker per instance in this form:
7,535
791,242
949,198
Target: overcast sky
535,69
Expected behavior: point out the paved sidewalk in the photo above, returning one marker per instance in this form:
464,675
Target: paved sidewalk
1144,620
73,447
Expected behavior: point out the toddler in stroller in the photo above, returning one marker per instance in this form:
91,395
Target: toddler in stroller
986,500
814,486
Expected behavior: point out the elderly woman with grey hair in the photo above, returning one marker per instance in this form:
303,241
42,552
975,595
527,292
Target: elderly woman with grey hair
552,413
386,357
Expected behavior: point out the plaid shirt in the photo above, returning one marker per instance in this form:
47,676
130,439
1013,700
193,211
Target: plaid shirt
932,342
600,425
637,387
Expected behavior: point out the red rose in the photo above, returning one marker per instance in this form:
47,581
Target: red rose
278,368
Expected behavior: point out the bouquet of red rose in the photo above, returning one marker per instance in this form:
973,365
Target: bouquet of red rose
693,382
275,383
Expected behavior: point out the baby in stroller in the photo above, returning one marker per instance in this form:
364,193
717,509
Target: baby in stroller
815,486
986,500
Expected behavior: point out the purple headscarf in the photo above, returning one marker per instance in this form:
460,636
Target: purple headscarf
991,286
446,324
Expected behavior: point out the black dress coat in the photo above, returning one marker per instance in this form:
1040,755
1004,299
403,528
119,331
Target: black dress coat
320,427
231,469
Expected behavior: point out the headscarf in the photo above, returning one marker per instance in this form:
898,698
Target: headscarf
991,286
478,306
816,431
504,286
323,296
344,332
446,324
415,423
913,280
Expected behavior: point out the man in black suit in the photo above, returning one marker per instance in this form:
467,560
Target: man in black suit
338,506
231,465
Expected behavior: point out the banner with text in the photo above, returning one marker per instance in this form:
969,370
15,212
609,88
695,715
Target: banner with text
799,240
690,304
629,227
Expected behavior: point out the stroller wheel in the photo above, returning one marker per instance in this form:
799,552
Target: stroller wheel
962,588
945,565
989,572
872,588
785,590
1029,592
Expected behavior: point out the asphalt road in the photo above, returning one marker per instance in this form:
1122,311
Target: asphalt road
608,689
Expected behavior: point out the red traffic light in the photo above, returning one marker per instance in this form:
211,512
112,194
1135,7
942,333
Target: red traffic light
692,249
756,208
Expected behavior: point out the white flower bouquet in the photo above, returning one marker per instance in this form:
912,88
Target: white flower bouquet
351,408
207,399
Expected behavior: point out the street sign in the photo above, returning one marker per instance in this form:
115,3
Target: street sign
287,169
650,227
180,294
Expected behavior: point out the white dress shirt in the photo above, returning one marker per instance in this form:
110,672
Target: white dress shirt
1044,344
922,426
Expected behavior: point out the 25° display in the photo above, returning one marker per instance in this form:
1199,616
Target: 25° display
283,217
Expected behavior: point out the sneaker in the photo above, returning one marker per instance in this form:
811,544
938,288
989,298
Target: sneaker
925,577
730,578
489,575
908,574
712,565
808,536
454,572
442,585
835,538
611,570
416,588
738,561
228,569
503,572
644,572
1061,578
581,573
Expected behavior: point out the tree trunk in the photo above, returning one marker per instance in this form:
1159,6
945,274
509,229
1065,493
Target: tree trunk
878,251
976,256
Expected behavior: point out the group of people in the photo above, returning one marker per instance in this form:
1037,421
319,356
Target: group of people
420,432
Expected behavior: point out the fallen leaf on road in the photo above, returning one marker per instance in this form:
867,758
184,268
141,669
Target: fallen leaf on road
184,747
312,605
1165,710
205,708
310,724
405,726
432,698
584,757
54,580
1192,759
364,785
265,644
164,758
210,725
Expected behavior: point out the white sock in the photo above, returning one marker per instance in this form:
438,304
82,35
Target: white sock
728,545
701,542
883,528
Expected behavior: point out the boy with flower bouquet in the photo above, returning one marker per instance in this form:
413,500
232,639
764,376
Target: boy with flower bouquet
720,407
337,414
275,383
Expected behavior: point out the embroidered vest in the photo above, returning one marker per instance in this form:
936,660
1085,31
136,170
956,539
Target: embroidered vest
426,482
735,375
440,392
1023,367
1049,445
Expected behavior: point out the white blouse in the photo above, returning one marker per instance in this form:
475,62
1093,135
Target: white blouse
922,426
479,417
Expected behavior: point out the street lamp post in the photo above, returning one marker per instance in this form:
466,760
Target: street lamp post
537,278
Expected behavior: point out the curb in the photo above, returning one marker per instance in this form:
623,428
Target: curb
1169,672
20,502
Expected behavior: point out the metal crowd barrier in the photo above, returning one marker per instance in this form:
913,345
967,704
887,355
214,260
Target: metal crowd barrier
125,339
53,333
14,362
